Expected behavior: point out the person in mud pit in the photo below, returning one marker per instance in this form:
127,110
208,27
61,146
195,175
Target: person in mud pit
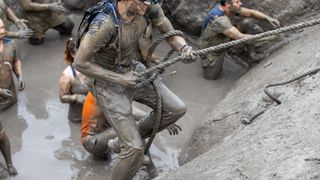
6,14
45,14
217,29
8,96
96,132
108,67
72,89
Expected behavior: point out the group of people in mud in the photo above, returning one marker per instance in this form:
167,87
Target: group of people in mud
99,81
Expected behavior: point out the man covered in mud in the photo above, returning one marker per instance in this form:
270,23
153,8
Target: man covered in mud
105,57
217,28
45,14
6,14
9,62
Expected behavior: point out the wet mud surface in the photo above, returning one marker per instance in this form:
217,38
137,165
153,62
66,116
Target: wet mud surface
281,143
46,146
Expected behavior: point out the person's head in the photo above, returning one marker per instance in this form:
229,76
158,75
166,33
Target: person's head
70,51
138,7
2,29
232,6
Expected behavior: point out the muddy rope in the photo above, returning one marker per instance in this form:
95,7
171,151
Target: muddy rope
233,43
155,80
265,90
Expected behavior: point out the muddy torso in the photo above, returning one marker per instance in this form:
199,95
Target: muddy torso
77,87
213,34
42,20
103,35
3,8
7,58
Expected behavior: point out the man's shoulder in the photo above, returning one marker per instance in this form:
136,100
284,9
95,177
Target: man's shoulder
154,11
101,22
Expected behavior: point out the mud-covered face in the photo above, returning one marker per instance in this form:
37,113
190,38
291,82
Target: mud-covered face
235,6
140,7
71,44
2,30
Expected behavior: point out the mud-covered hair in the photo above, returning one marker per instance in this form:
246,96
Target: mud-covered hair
223,2
68,50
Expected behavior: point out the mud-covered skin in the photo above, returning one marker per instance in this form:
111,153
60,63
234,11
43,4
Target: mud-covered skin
72,90
7,14
9,63
40,18
113,90
6,151
220,30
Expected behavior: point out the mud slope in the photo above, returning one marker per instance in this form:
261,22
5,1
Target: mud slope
282,143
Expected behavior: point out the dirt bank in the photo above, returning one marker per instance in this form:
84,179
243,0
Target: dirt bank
282,143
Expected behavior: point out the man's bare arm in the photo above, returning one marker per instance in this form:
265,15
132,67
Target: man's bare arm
259,15
234,33
17,68
11,15
32,6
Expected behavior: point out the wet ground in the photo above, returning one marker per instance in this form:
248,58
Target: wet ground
46,146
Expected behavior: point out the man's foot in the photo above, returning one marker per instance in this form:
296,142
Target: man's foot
12,170
114,145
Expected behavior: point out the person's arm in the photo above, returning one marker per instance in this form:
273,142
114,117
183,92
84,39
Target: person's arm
65,82
177,43
98,35
32,6
234,33
17,68
259,15
20,23
162,23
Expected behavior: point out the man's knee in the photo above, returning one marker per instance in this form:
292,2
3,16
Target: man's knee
249,26
65,28
92,146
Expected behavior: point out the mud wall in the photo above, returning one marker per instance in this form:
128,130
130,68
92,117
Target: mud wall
281,143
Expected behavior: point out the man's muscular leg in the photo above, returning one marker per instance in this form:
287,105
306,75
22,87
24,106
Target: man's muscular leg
6,151
172,108
116,103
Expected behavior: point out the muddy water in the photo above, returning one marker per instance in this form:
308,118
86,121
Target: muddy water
46,146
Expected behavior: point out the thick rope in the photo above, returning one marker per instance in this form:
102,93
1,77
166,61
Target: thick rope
265,90
157,114
159,40
232,43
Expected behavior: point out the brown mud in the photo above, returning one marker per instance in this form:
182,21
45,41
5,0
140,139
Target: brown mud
46,146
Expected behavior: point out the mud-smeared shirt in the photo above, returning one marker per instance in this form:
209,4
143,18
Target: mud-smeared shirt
7,60
109,41
213,33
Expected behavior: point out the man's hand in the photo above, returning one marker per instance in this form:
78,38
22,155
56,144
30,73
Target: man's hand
6,93
57,7
21,24
174,129
21,84
129,79
274,22
187,54
24,33
78,98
